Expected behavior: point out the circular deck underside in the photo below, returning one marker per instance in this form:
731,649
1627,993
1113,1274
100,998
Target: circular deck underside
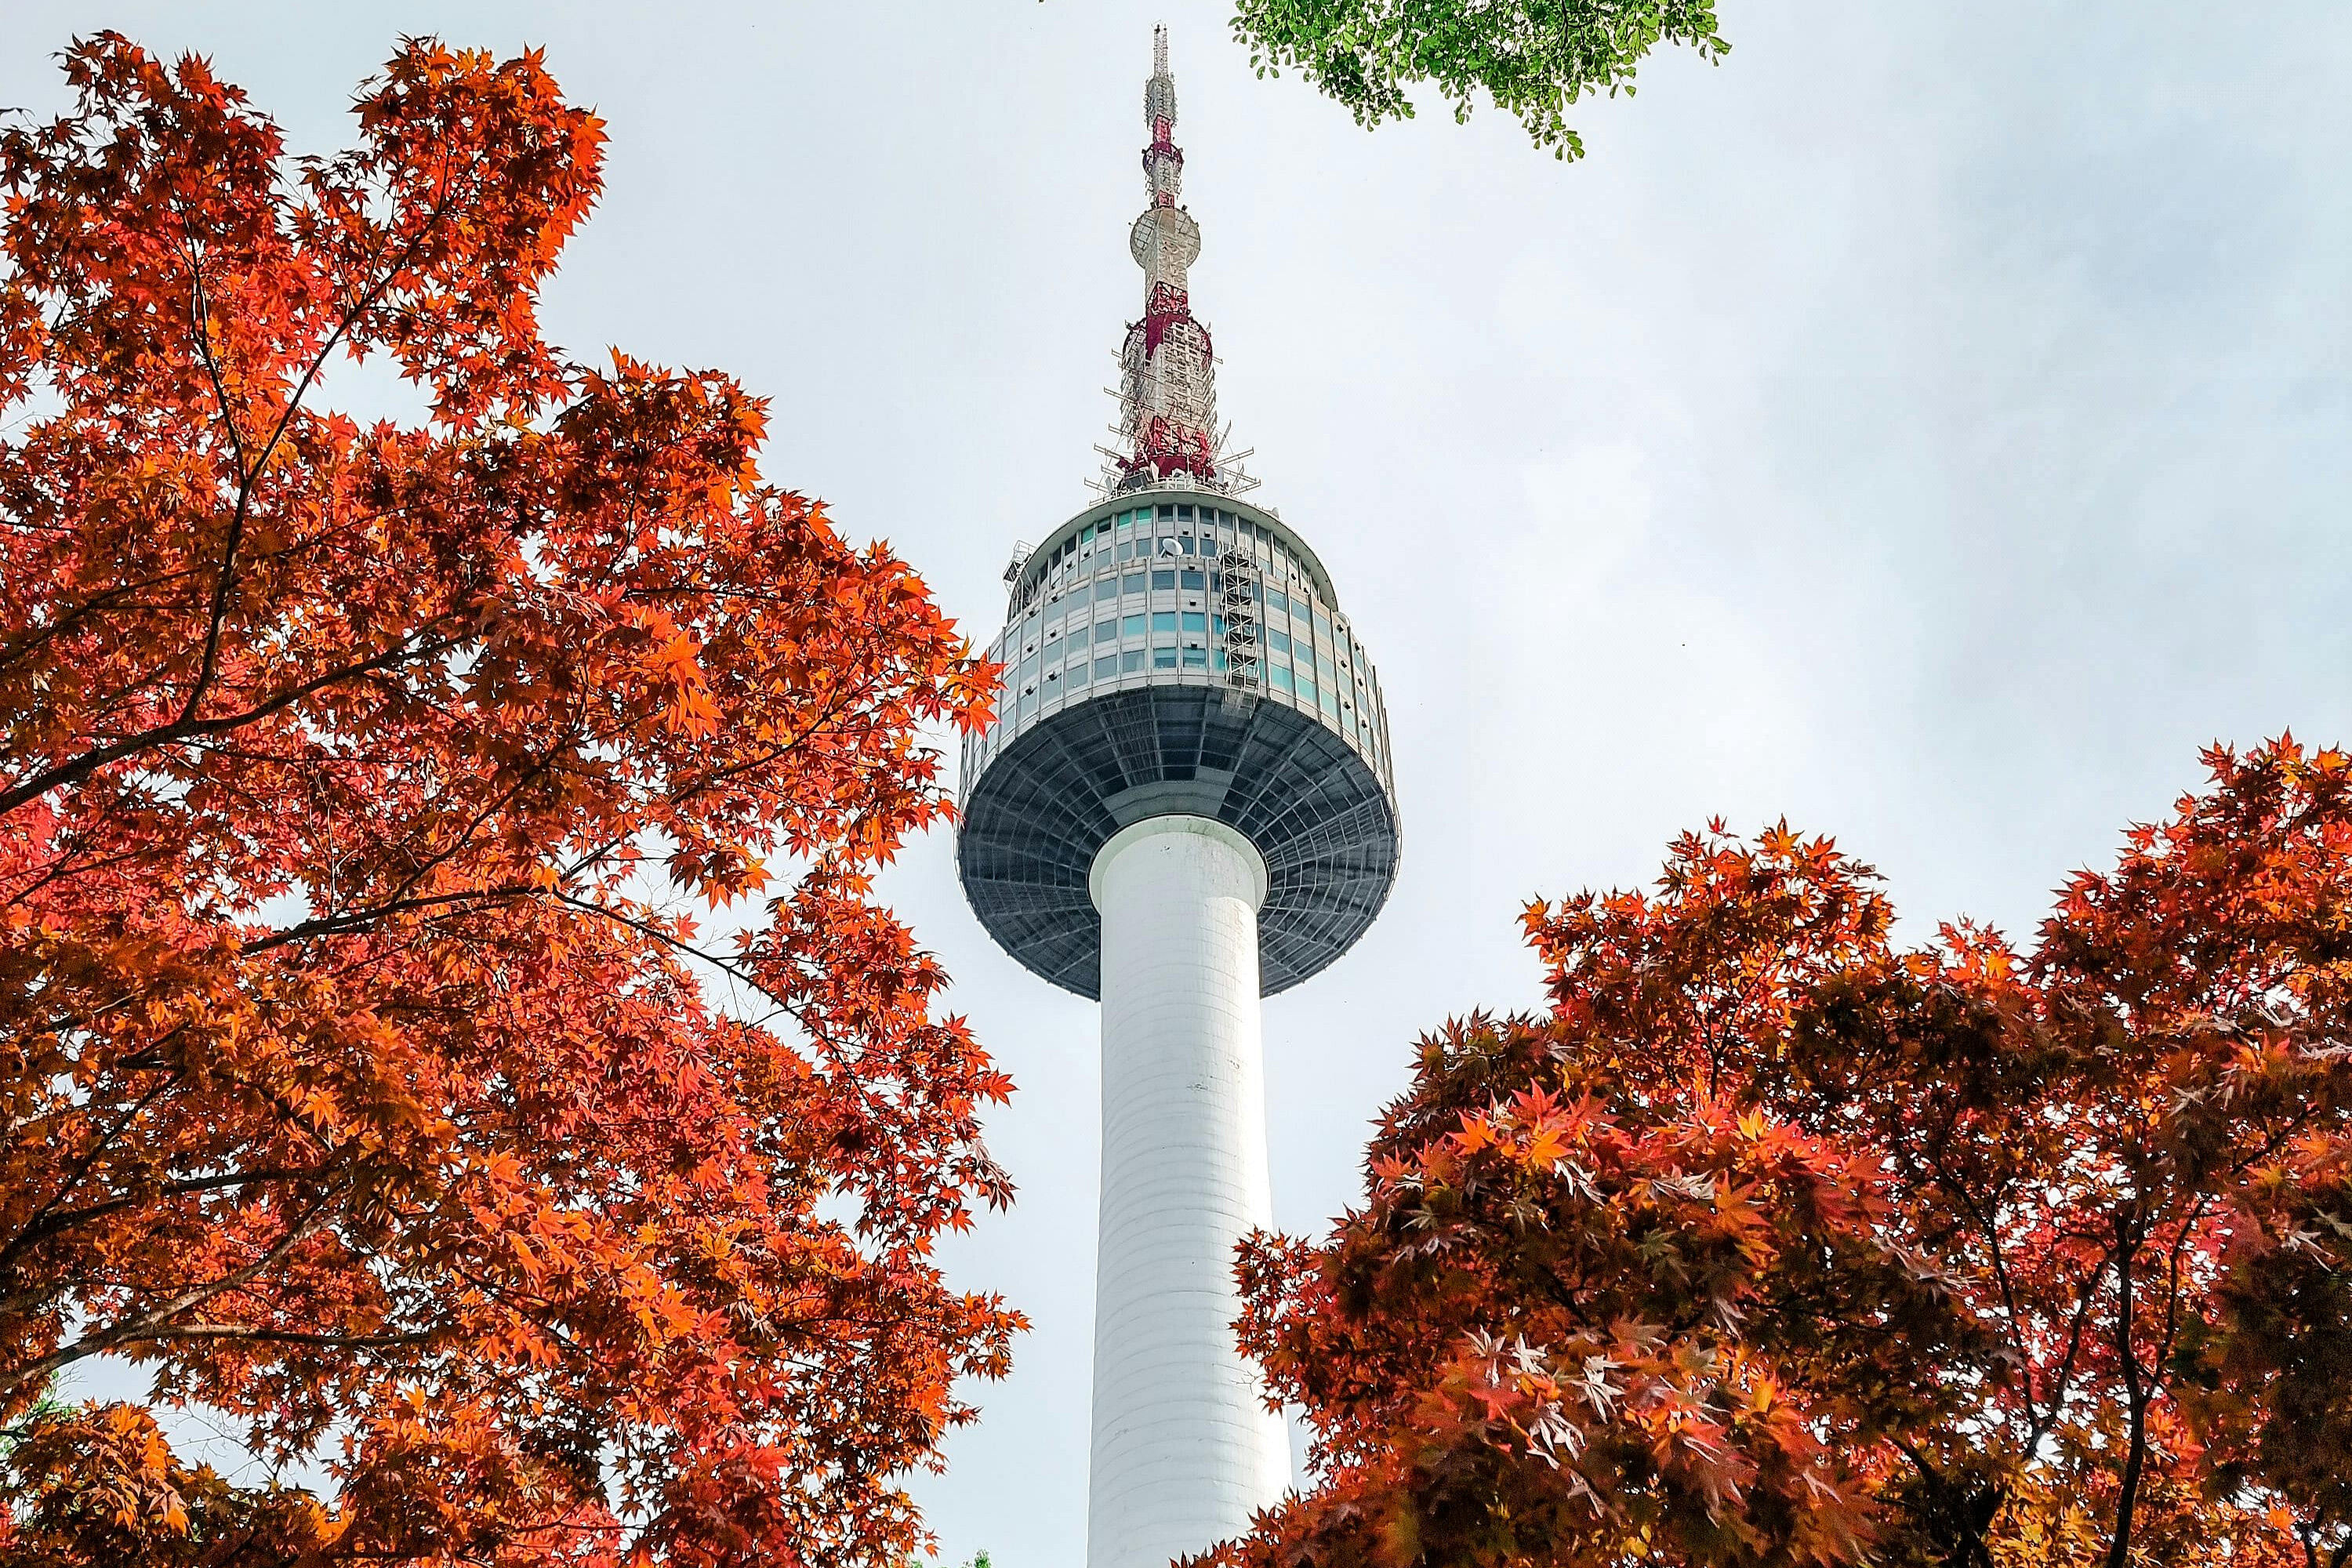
1035,819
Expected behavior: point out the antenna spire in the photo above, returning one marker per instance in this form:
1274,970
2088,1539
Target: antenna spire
1168,378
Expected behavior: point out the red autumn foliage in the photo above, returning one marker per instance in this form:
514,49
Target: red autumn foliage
1775,1242
358,1077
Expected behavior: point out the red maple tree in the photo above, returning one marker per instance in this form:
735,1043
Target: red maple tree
1777,1243
359,1071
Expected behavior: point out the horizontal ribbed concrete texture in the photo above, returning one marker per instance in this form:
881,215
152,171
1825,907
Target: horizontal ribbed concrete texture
1185,1450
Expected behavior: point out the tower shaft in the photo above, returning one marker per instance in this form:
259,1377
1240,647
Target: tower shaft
1184,1450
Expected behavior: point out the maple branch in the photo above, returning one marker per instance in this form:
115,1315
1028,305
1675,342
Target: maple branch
841,701
139,1329
31,641
676,944
857,1085
287,1336
1982,1502
538,768
29,1232
330,925
22,647
1988,1225
710,780
24,1301
105,702
1767,965
219,614
2064,1376
2120,1552
184,728
2172,1278
249,474
33,1235
200,315
65,867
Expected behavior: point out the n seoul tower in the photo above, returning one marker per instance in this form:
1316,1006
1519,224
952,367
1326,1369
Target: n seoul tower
1183,804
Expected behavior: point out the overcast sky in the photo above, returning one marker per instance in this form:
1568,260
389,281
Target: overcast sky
1931,425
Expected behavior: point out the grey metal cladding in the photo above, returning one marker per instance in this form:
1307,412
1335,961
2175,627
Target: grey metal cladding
1038,811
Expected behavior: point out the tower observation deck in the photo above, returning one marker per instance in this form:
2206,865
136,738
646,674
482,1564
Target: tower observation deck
1184,804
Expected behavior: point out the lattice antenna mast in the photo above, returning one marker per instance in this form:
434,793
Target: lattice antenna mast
1167,394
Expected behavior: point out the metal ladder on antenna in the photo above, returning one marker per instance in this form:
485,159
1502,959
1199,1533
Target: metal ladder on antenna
1240,603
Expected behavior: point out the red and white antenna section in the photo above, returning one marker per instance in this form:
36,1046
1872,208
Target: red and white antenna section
1167,392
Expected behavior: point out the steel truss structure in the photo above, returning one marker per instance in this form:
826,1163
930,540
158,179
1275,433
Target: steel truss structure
1166,389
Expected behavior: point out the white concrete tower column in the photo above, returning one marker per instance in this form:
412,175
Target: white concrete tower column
1184,1450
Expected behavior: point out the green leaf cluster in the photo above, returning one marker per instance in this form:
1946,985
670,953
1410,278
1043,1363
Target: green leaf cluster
1534,59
